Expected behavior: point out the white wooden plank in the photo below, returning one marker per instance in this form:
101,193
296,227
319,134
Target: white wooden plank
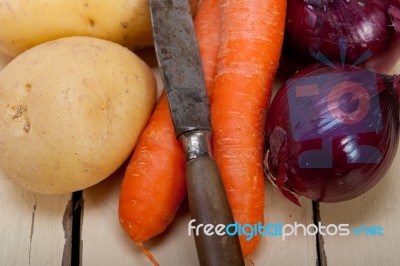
275,251
378,207
32,225
105,243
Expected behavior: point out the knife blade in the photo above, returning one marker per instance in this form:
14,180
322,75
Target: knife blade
181,70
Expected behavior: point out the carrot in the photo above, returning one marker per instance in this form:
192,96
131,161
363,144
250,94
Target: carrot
207,30
154,184
251,36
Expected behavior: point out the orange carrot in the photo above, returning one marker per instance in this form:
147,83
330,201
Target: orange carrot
207,30
154,183
251,36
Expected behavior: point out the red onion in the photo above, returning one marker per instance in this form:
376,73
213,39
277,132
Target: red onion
368,26
332,133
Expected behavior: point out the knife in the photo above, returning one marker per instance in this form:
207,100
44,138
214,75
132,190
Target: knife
181,70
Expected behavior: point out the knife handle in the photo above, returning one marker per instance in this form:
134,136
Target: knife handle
208,203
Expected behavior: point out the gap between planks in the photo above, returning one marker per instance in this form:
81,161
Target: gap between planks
319,241
72,223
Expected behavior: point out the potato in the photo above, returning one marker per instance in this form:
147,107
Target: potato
26,23
71,111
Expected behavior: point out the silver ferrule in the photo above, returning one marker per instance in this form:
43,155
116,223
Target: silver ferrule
196,144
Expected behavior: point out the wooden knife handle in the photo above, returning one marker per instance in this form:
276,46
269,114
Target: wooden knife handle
209,205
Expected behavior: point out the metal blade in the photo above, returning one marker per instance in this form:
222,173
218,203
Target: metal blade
181,68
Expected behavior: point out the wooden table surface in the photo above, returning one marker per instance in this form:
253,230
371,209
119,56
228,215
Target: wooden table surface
83,229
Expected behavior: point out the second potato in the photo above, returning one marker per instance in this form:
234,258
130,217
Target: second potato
25,24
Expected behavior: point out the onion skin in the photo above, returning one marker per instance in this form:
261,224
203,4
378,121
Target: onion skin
344,180
314,26
394,13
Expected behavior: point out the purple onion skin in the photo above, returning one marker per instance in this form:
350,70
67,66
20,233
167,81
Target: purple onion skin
394,13
314,26
344,180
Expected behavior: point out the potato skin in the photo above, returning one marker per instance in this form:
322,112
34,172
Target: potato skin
71,111
26,23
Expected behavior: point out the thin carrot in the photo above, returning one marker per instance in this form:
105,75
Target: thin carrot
147,253
251,38
154,183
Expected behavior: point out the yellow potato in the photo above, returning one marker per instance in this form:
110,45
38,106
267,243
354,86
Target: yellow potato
71,111
26,23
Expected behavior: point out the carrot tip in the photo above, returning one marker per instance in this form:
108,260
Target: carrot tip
147,253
